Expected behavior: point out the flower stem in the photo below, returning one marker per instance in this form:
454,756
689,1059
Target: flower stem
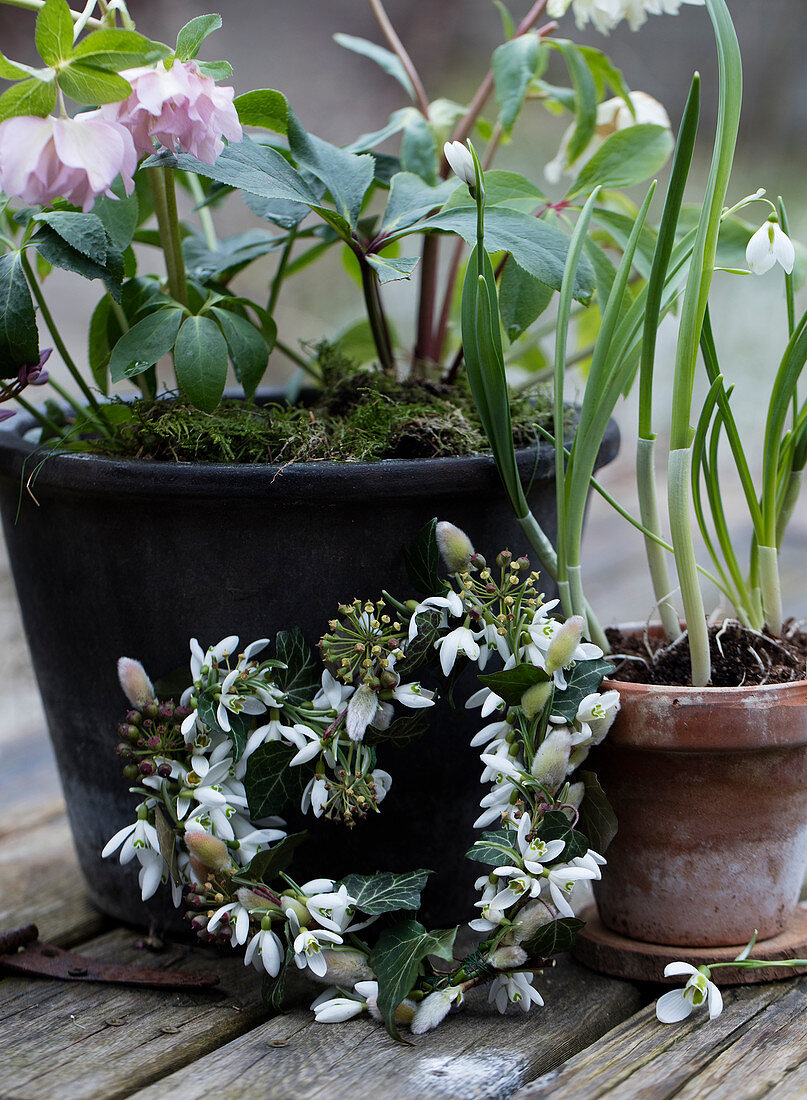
41,418
376,317
61,347
277,282
400,51
161,181
37,5
205,217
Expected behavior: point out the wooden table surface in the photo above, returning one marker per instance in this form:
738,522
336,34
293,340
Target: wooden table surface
596,1037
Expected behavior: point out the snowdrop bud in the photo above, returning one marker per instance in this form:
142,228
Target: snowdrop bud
770,245
361,710
508,957
576,794
564,642
211,852
432,1011
534,698
552,758
345,968
297,907
136,685
337,1009
454,546
460,161
534,915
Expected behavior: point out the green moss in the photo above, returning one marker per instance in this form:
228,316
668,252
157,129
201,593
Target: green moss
356,417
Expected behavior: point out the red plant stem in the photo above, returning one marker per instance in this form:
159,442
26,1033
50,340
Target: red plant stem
398,48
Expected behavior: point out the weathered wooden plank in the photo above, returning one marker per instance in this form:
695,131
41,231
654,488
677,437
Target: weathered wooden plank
753,1049
475,1055
40,883
77,1041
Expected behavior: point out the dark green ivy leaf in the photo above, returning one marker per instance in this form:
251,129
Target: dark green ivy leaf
385,892
396,958
422,559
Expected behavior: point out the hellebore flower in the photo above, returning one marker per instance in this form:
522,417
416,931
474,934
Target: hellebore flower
77,159
179,108
768,246
605,14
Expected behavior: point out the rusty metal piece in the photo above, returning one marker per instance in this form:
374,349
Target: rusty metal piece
21,952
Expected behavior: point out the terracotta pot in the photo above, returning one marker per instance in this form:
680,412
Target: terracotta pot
709,786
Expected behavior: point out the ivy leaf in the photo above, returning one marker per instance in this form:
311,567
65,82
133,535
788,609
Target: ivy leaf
29,97
193,34
422,559
145,344
597,818
553,939
263,107
404,730
512,684
19,342
267,864
582,680
555,825
386,892
200,362
240,725
495,848
302,675
54,32
396,958
273,787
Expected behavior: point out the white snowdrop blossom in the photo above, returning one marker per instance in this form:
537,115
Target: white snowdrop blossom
238,919
449,605
596,714
768,246
265,952
514,989
562,881
332,910
462,165
606,14
461,640
699,991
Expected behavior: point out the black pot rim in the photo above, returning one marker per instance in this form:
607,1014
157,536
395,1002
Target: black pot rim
22,461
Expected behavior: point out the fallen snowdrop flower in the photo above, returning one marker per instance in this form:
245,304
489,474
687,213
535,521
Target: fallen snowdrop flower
698,991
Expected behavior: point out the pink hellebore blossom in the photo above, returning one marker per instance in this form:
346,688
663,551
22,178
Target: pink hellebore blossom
179,108
77,159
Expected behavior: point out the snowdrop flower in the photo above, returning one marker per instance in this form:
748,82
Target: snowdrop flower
519,885
252,841
461,640
367,992
307,741
562,881
42,159
593,860
492,734
336,1009
503,765
488,700
612,115
383,782
605,14
494,805
151,874
179,108
265,952
514,989
134,839
307,945
769,245
535,853
315,796
679,1003
332,695
238,920
233,702
454,545
413,695
596,714
433,1009
332,910
448,605
462,165
491,917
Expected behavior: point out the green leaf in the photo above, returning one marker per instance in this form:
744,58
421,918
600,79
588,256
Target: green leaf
512,684
167,839
605,73
84,232
597,818
347,176
54,32
389,270
279,212
522,299
515,65
385,59
263,107
200,362
58,251
553,939
419,147
29,97
301,678
582,680
404,730
273,787
218,70
502,189
585,99
539,248
396,958
88,84
422,560
625,158
120,218
410,199
495,848
247,348
386,892
273,990
193,34
250,167
267,864
10,71
19,342
555,825
118,49
145,344
104,333
231,256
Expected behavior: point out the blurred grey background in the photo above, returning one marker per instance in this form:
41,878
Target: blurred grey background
289,46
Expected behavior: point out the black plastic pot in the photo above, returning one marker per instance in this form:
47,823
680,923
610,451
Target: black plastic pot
129,557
